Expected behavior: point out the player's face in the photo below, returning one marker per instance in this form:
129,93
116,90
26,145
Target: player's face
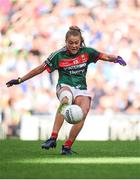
73,44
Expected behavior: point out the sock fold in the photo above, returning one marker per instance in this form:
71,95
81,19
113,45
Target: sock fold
68,143
54,135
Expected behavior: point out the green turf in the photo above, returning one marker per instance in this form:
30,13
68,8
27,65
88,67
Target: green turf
25,159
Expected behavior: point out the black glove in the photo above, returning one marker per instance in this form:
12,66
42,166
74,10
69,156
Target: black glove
14,82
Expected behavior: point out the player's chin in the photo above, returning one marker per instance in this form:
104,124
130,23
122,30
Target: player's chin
74,51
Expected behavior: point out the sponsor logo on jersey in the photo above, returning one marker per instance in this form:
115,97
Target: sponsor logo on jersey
74,61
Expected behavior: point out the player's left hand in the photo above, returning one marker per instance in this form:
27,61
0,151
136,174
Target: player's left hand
120,60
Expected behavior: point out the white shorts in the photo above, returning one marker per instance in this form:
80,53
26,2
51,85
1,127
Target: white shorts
76,92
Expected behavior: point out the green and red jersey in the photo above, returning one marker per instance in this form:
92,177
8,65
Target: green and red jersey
72,68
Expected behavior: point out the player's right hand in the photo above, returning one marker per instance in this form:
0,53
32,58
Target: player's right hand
13,82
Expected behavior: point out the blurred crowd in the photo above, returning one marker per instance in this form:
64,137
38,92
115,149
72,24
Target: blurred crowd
32,29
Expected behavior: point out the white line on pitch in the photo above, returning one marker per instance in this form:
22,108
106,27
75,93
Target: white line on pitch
72,160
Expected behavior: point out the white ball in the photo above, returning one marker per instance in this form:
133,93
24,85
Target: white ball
73,114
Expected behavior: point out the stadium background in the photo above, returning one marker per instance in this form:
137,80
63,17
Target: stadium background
30,30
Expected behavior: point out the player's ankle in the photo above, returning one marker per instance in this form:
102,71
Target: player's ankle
68,143
54,135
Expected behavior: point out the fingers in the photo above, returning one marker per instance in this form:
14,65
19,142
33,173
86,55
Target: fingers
12,82
8,84
124,64
121,61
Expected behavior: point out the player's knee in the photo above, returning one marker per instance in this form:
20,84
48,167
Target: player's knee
66,97
64,100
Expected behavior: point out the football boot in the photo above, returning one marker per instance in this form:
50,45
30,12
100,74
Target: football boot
50,143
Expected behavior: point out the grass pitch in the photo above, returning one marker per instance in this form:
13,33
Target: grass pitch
95,160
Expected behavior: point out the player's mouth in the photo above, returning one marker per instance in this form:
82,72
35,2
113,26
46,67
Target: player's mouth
74,51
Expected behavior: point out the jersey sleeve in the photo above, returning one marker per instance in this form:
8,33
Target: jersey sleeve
51,63
94,55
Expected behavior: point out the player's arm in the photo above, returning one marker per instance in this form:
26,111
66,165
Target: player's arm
29,75
112,58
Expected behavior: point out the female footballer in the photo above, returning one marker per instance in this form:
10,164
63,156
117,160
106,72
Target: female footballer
71,62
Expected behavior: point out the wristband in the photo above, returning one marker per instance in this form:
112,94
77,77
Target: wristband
20,80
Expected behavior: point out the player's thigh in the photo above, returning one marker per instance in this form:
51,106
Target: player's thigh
84,102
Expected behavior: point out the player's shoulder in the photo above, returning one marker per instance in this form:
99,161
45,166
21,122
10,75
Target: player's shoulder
88,48
57,52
